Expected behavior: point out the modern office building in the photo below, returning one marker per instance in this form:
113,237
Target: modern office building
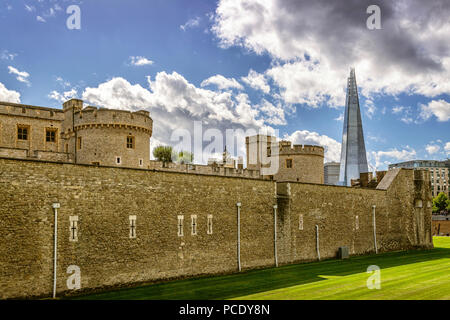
439,173
331,173
353,150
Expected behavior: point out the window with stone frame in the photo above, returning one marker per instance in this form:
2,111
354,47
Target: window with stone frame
210,224
23,132
50,134
73,228
300,222
289,163
180,225
194,225
132,227
130,142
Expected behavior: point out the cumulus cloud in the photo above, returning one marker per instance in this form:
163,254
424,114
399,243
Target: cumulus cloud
9,95
273,114
447,148
191,23
392,155
221,82
22,76
439,108
313,45
64,96
176,104
140,61
431,149
40,19
257,81
331,146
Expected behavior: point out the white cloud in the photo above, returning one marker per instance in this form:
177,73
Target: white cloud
431,149
397,109
439,108
140,61
273,114
63,97
8,95
191,23
313,44
393,155
221,82
6,55
29,8
175,104
370,109
340,118
40,19
256,81
447,147
332,147
308,83
22,76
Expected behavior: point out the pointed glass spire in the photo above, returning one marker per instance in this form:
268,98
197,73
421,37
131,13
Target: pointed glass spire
353,150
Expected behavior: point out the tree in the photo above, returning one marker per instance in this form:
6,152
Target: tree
440,203
184,157
163,153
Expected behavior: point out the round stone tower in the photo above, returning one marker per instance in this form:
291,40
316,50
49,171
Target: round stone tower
301,163
106,136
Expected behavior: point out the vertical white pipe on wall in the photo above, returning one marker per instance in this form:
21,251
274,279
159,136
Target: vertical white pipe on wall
317,241
55,206
374,229
275,234
239,234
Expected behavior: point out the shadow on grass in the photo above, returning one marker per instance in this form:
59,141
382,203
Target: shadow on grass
255,281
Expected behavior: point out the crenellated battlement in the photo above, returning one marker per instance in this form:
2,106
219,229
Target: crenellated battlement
286,148
21,110
93,117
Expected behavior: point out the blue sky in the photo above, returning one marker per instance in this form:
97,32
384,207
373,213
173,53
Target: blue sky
272,64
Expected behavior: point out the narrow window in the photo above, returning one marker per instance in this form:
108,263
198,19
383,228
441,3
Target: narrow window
130,142
180,225
50,135
67,148
141,162
79,143
194,225
118,160
132,227
73,222
210,224
357,223
300,222
288,163
22,133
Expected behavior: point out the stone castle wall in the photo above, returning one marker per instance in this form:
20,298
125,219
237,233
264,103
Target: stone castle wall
103,134
36,120
103,198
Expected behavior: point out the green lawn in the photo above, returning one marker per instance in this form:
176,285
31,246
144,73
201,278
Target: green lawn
421,274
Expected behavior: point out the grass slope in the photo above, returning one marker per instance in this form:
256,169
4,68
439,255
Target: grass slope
404,275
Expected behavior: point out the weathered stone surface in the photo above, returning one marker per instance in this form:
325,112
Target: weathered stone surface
103,198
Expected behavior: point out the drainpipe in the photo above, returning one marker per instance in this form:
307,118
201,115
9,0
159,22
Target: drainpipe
374,229
238,205
275,207
55,206
317,241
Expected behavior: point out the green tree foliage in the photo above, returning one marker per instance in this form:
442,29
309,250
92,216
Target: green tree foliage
184,157
440,203
163,153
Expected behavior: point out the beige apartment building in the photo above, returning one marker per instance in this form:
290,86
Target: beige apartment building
439,173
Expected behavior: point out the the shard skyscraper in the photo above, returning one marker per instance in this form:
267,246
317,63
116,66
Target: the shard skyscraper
353,150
